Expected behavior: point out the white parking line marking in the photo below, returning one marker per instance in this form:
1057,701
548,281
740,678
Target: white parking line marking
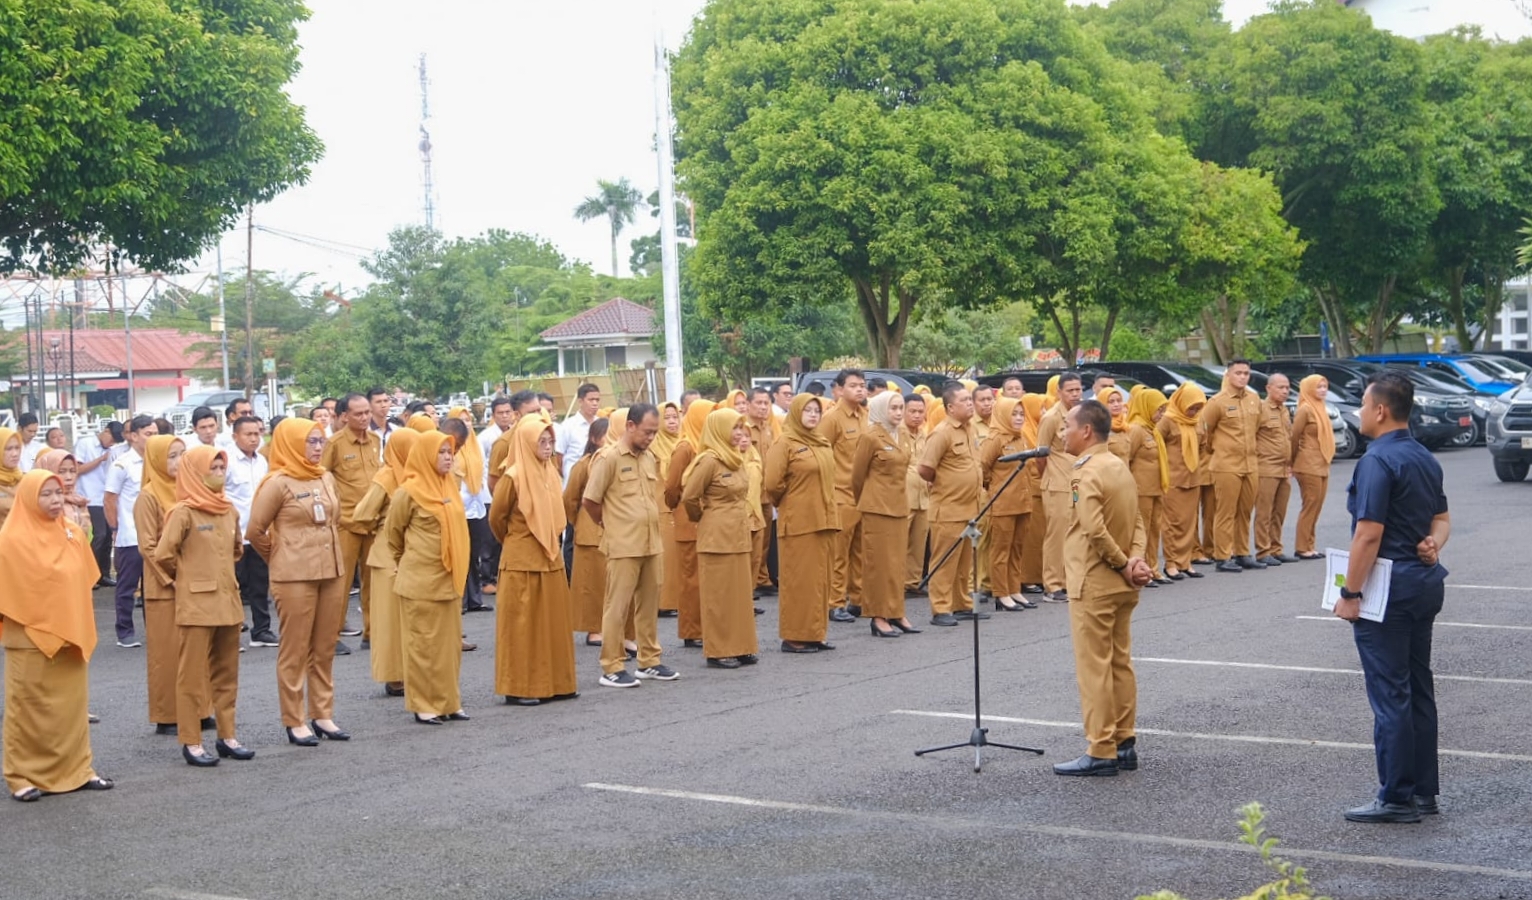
173,894
1269,666
1437,622
1487,587
1206,736
1069,832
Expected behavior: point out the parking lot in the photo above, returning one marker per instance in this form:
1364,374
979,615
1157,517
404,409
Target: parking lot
796,778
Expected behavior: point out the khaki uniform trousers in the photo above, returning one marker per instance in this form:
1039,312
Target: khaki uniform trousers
633,600
1059,513
760,545
1231,517
354,549
1271,514
915,556
1006,534
1180,525
1311,488
1207,547
207,676
846,576
161,647
1103,644
1151,510
950,584
310,614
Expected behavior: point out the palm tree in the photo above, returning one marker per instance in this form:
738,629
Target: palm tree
618,201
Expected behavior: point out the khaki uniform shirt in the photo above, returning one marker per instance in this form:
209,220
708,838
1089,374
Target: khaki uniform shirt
370,514
498,451
1117,443
623,482
1231,420
794,482
1181,475
1017,499
292,527
844,425
916,491
198,549
878,473
1105,529
952,452
519,548
1144,460
352,463
1050,434
717,499
1273,440
685,529
586,532
1306,456
150,520
414,539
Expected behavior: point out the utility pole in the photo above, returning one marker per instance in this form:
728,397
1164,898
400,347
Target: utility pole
425,146
223,322
249,301
670,263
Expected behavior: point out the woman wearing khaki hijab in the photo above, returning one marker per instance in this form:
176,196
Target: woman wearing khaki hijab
879,468
162,460
1313,449
48,630
292,527
715,494
198,548
587,573
10,470
1180,429
427,535
387,650
1009,518
1150,466
1037,524
689,625
800,480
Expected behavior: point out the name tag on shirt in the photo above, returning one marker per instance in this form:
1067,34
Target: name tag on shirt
207,527
303,495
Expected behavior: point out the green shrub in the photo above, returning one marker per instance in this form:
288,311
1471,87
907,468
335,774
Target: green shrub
1292,881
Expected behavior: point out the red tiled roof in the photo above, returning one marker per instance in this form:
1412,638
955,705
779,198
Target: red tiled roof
154,349
616,316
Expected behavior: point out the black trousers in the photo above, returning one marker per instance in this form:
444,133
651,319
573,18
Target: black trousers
101,539
480,539
1396,663
254,589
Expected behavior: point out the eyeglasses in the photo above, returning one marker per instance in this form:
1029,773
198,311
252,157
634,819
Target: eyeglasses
315,442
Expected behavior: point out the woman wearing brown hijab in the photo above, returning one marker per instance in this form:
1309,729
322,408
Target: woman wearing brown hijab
879,468
63,464
1179,428
292,527
689,626
198,548
663,447
10,470
48,630
800,481
587,575
162,459
534,652
1151,471
427,536
1313,449
715,493
1009,518
387,651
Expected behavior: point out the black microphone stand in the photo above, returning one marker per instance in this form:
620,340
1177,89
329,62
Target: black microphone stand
978,739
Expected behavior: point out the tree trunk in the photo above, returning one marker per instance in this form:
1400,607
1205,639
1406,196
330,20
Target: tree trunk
1379,323
1494,299
1340,326
1224,332
1106,330
1456,307
886,311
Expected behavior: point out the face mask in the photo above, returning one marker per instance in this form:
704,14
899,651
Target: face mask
213,482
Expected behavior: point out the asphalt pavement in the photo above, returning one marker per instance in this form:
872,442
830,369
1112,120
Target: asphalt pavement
797,777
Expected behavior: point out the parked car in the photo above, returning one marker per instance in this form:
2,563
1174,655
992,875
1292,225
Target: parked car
1509,433
1431,380
1345,418
822,383
1036,380
1522,356
1483,378
180,414
1514,369
1168,375
1436,420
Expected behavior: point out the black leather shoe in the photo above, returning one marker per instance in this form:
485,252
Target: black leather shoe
1229,565
749,659
522,701
853,611
203,760
1249,562
840,615
227,752
341,649
796,647
692,643
484,607
366,644
759,611
428,720
572,695
336,735
392,690
1177,576
945,620
1203,561
1127,755
877,632
1152,584
1087,766
1031,589
1269,561
310,741
1193,573
1024,603
1378,812
967,615
723,662
458,716
165,728
907,629
1287,558
669,613
825,645
1427,805
209,724
107,581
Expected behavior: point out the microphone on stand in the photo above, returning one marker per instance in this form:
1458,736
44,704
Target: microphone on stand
1025,454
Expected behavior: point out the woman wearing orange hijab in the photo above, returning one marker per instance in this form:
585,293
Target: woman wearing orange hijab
800,480
1115,399
1313,449
534,654
63,464
1012,510
716,495
48,630
427,535
292,526
1031,563
387,650
198,548
689,625
10,470
664,447
1179,429
162,459
587,575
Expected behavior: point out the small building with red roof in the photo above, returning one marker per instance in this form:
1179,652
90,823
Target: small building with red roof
90,367
617,333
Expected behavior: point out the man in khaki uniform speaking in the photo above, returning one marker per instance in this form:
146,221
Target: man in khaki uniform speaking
843,424
1105,568
950,464
1055,469
1273,451
1231,418
353,456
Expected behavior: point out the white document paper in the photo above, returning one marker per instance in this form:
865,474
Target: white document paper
1374,593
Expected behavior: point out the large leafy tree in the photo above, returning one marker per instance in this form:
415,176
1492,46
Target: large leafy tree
958,152
146,125
616,201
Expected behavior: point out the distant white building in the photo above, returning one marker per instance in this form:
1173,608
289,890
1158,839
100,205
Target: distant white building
1511,329
1503,19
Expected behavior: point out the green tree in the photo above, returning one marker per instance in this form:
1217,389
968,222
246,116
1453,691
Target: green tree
147,125
955,340
618,201
949,152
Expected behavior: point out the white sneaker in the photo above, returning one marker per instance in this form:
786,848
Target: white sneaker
659,673
622,678
130,644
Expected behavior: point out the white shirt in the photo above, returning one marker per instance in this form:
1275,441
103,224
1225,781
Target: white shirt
92,484
126,479
570,438
225,442
487,439
245,475
382,433
29,455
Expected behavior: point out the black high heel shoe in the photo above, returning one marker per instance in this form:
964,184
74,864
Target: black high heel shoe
907,629
892,632
310,741
227,752
428,720
1001,607
336,735
201,760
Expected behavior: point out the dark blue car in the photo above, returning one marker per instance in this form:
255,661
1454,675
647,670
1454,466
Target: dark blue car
1483,379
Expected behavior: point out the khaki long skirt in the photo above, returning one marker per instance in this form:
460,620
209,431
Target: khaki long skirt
1032,542
689,620
46,735
728,613
588,585
670,587
804,601
387,639
534,643
162,653
433,654
883,570
1007,536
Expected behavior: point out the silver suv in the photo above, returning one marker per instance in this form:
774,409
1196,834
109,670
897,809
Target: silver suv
1508,426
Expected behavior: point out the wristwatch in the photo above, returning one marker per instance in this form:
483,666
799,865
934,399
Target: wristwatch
1350,594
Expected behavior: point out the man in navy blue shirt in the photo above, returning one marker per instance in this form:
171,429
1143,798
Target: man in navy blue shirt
1398,512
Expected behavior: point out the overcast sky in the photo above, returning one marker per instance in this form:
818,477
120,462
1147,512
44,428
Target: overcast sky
531,102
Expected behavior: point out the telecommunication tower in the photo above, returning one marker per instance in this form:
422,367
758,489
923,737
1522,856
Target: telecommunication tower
425,145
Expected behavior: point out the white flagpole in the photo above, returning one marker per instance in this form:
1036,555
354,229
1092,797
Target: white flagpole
670,264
